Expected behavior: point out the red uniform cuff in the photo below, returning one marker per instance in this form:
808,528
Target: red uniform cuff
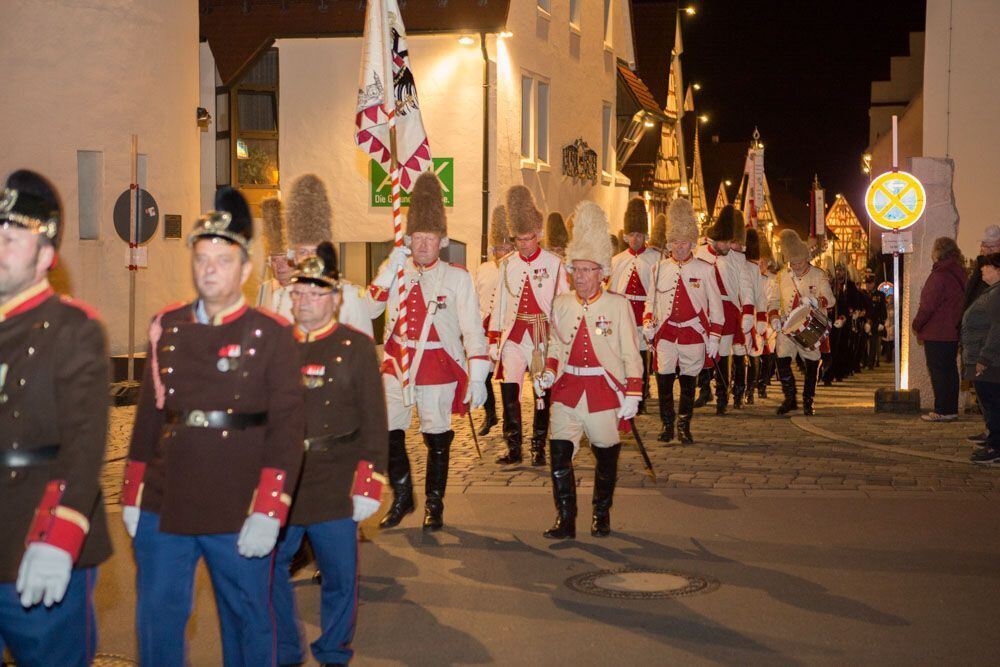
715,328
748,309
552,364
132,484
761,316
270,498
772,314
493,336
378,293
57,524
633,386
367,482
484,357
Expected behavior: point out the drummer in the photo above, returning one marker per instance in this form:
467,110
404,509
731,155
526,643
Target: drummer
799,284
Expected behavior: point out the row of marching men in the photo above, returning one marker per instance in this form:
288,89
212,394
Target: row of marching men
252,433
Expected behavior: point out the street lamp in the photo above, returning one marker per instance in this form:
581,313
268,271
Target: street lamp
465,40
696,86
703,118
690,11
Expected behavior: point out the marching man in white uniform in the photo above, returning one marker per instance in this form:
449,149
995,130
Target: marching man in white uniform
530,279
309,217
727,274
757,299
593,371
683,319
797,284
487,278
448,361
275,293
743,342
632,273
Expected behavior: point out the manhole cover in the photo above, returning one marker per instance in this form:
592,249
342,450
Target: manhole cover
112,660
640,584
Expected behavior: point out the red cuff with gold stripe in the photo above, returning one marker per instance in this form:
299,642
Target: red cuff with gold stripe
367,482
715,329
552,364
748,309
378,293
772,315
57,524
633,386
493,336
132,484
270,498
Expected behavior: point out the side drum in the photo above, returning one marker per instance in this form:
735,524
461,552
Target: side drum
806,325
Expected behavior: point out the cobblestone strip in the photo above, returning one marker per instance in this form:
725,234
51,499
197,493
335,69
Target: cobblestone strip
804,424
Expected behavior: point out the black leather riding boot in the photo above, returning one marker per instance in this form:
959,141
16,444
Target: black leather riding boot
645,381
753,369
739,379
438,449
809,387
704,387
605,476
787,378
490,408
400,481
540,430
766,371
510,396
665,388
722,373
686,409
563,490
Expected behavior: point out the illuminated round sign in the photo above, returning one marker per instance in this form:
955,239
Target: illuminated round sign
895,200
885,288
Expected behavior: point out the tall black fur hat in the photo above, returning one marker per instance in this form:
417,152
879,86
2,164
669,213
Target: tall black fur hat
724,227
230,220
752,247
30,201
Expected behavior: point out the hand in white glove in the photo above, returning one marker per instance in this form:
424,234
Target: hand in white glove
775,324
761,328
43,574
649,330
364,507
397,258
494,352
477,394
630,408
130,517
258,535
544,382
712,347
839,322
747,323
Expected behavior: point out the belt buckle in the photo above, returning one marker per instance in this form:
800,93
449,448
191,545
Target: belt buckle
197,419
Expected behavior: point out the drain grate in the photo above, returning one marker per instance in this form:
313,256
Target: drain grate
641,584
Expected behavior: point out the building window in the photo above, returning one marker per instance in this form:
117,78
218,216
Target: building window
545,5
90,192
247,127
607,22
574,13
607,164
534,119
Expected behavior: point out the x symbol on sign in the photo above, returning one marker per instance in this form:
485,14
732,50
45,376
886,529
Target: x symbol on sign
896,199
437,172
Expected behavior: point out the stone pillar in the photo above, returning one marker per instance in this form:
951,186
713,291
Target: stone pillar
940,219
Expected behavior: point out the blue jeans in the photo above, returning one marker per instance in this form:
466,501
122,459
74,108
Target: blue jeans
165,566
989,400
335,544
63,634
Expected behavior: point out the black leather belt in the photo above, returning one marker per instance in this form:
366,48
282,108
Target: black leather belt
216,419
324,443
25,458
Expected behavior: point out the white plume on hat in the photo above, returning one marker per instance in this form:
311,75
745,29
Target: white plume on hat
590,240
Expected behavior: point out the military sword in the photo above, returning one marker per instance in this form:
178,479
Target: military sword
642,450
475,438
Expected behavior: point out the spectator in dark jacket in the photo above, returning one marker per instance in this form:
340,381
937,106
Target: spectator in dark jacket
981,355
989,245
936,326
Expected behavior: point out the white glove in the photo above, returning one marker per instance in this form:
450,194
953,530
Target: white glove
775,324
395,261
477,395
630,408
130,517
544,382
881,328
748,320
43,574
712,347
839,322
364,507
761,328
494,352
648,331
258,535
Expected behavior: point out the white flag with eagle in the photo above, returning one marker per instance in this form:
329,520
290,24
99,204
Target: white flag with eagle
387,87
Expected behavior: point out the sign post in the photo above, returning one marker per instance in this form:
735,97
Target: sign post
895,201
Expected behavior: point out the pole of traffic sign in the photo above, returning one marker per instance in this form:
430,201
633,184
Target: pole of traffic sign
135,212
897,310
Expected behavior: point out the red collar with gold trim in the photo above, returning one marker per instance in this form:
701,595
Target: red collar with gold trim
636,253
317,334
28,299
592,299
534,256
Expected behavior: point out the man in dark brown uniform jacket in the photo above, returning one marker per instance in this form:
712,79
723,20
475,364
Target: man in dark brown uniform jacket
53,423
215,452
347,443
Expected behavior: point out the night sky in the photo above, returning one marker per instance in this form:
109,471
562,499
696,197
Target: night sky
802,73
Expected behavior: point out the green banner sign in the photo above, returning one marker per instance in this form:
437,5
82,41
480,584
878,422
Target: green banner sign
381,186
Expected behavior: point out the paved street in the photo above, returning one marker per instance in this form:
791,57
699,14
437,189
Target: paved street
848,537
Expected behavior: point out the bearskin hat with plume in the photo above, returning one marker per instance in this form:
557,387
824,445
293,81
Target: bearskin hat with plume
591,239
792,247
427,207
658,238
636,218
523,217
724,227
739,227
273,212
308,215
499,234
752,245
682,225
556,234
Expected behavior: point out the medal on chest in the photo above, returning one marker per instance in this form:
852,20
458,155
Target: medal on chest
695,282
442,302
3,380
228,358
539,276
603,326
312,376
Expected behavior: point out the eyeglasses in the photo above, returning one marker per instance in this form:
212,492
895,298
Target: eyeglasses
301,295
587,269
